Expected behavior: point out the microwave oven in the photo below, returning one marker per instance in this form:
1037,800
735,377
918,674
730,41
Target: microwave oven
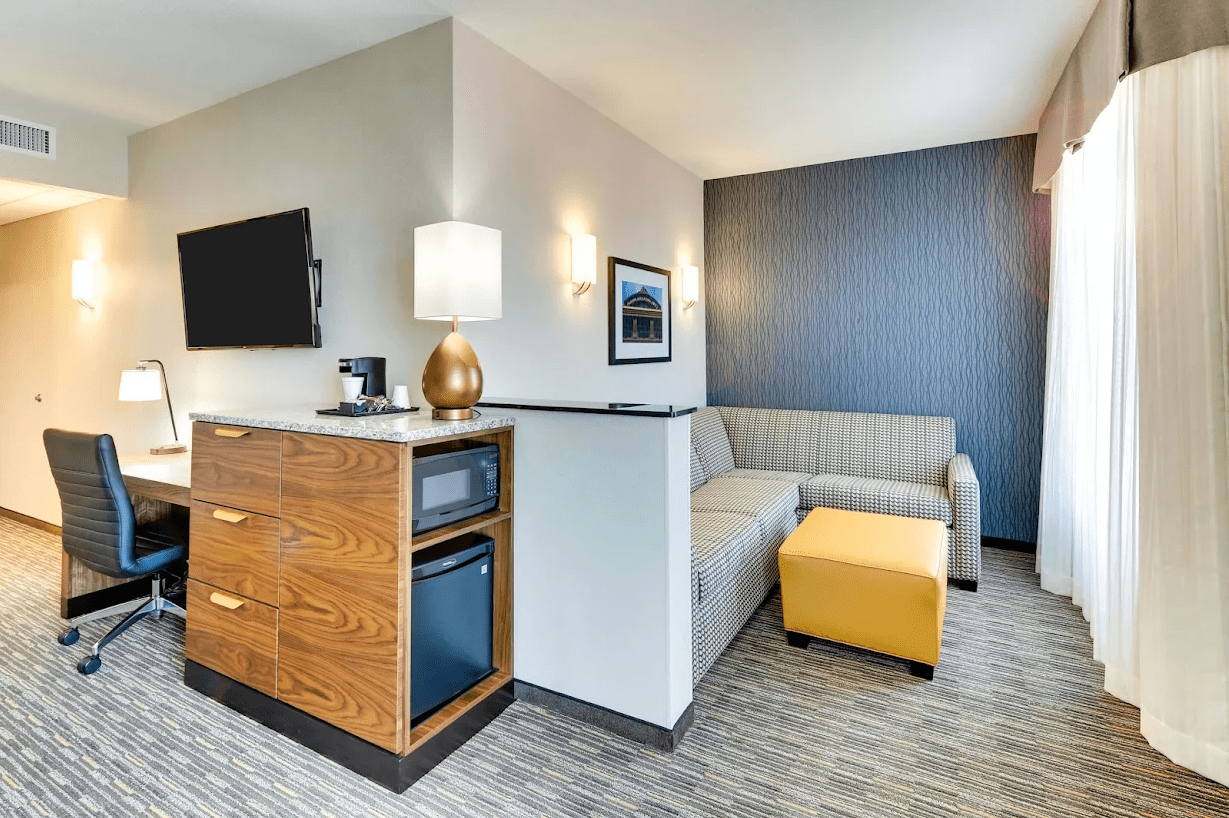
452,483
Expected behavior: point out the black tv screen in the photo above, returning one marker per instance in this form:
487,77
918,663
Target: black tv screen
250,284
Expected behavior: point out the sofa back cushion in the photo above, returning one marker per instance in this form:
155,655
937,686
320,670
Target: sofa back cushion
698,476
772,439
708,437
909,448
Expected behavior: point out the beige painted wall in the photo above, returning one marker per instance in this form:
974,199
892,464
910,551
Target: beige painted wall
376,144
364,141
538,164
91,150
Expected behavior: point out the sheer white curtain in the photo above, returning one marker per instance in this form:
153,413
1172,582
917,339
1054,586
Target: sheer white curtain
1086,539
1183,313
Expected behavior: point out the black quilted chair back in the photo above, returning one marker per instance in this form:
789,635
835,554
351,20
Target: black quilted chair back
99,525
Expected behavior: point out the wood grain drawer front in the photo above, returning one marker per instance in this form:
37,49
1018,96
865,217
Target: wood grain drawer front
236,551
237,467
233,635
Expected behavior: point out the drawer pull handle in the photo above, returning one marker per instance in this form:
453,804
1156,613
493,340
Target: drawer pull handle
228,516
225,601
231,432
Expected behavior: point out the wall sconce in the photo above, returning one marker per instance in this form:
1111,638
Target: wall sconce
584,262
83,283
691,286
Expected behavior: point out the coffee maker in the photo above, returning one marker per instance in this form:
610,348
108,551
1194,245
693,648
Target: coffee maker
371,370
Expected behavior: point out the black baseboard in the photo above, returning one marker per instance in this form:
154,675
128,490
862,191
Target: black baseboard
641,732
390,770
1009,545
105,598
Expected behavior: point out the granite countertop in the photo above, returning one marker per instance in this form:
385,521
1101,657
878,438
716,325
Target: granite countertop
643,410
403,428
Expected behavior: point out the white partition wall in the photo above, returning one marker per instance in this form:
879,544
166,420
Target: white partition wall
602,594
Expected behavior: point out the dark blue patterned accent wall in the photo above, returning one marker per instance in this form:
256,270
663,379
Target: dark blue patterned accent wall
914,283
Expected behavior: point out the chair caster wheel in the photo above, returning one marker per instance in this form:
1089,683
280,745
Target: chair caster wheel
69,637
89,664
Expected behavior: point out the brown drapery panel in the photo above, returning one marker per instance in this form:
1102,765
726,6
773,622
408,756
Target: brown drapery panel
1122,36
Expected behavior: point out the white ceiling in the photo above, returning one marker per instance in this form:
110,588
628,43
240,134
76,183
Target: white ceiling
722,86
727,87
151,61
24,200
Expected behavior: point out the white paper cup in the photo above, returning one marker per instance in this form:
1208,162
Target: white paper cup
351,387
401,397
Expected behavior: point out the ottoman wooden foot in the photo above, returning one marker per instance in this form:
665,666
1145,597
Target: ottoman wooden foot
922,670
797,640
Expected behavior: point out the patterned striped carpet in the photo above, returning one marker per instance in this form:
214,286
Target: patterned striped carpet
1013,725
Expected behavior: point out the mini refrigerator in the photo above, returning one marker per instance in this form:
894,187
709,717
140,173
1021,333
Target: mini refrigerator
451,594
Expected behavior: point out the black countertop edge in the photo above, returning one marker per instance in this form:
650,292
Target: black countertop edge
640,410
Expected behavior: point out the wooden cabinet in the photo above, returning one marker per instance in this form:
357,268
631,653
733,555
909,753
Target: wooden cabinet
300,588
236,551
233,635
237,467
343,650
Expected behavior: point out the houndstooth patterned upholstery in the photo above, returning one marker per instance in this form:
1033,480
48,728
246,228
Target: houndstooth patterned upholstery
772,439
964,554
698,475
713,445
772,503
876,496
795,477
733,570
720,542
776,465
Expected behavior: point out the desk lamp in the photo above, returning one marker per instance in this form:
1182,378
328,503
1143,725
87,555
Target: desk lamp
148,384
457,277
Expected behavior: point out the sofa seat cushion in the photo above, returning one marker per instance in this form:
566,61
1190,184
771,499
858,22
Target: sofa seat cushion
795,477
721,542
772,503
876,496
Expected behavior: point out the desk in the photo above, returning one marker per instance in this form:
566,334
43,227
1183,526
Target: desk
159,487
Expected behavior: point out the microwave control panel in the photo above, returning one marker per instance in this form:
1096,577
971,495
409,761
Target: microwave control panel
492,479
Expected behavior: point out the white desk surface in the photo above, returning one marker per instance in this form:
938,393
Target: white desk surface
173,469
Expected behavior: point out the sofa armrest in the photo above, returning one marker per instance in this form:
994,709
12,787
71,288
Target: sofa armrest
965,493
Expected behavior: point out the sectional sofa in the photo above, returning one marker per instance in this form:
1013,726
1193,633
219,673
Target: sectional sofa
755,473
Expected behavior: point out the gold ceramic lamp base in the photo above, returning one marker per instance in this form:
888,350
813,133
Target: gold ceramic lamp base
452,380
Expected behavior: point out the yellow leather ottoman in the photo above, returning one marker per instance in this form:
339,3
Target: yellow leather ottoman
869,580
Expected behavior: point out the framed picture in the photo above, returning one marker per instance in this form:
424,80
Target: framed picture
639,313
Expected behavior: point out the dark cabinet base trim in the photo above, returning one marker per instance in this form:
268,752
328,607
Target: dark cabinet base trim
83,604
641,732
390,770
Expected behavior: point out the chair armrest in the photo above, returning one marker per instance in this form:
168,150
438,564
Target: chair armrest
960,476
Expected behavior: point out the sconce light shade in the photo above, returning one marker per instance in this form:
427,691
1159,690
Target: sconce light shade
691,286
457,272
584,262
140,384
83,283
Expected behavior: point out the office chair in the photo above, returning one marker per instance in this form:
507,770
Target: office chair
100,530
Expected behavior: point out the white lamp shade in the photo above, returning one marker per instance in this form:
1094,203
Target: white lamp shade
140,384
457,272
691,286
83,281
584,261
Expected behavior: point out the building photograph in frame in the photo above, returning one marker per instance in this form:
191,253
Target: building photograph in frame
639,302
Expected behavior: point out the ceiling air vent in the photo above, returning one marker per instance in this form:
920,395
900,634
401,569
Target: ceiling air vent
27,137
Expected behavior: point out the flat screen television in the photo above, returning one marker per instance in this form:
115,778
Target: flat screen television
252,283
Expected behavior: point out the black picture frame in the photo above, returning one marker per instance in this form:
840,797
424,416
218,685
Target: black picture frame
634,338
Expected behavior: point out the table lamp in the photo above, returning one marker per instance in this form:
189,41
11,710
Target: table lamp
148,384
457,277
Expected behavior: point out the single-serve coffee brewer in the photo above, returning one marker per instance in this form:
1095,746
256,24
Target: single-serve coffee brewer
371,370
